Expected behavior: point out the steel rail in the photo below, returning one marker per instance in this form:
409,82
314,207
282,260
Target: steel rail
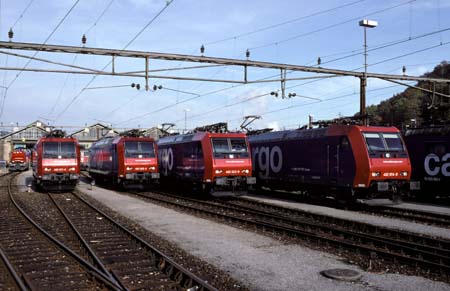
412,214
91,252
88,267
441,243
341,243
172,268
12,271
439,252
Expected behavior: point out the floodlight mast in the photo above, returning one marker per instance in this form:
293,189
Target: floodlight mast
362,102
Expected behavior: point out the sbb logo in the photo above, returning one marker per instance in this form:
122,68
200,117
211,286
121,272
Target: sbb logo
268,159
166,160
432,167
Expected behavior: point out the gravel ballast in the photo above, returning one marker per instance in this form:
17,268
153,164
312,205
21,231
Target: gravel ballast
259,262
360,217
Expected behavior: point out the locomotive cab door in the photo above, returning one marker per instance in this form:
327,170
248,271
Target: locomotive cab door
114,161
339,159
197,160
333,163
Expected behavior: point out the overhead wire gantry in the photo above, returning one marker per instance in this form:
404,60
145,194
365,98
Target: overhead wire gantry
148,73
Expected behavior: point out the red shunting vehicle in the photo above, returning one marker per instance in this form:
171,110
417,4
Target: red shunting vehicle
18,161
56,162
125,160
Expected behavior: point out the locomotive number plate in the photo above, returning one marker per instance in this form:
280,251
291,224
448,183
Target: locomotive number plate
382,186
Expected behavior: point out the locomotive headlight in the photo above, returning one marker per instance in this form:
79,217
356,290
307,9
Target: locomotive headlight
246,171
376,174
404,174
47,169
129,168
72,169
152,168
219,171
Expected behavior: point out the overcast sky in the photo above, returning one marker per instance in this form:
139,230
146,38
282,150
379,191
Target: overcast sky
289,31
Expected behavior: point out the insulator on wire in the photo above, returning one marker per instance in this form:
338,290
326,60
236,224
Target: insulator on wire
83,39
274,94
404,70
247,54
319,61
10,34
202,49
133,85
290,95
138,86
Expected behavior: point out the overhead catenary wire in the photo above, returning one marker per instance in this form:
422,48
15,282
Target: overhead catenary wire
274,26
353,19
302,84
22,14
329,26
386,45
234,86
76,56
376,12
283,23
99,17
34,55
315,102
124,48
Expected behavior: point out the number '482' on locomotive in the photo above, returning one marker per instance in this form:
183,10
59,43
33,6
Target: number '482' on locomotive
345,161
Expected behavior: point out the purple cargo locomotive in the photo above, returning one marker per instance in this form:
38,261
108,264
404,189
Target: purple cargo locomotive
429,149
348,162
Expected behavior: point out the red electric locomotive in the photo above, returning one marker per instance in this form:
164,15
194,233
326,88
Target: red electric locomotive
18,161
127,159
218,163
56,162
84,159
346,161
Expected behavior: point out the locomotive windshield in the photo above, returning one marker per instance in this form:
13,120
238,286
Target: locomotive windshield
226,147
139,149
59,150
383,142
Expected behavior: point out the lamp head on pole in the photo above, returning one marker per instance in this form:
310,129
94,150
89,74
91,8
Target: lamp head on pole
368,23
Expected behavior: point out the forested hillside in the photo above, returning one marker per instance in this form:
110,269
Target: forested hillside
415,104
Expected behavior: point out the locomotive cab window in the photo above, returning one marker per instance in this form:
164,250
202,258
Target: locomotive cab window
383,142
238,145
137,149
229,147
55,150
220,145
393,141
374,142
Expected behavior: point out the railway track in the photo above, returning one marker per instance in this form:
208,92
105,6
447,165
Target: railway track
429,218
122,256
35,259
9,278
375,243
437,219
